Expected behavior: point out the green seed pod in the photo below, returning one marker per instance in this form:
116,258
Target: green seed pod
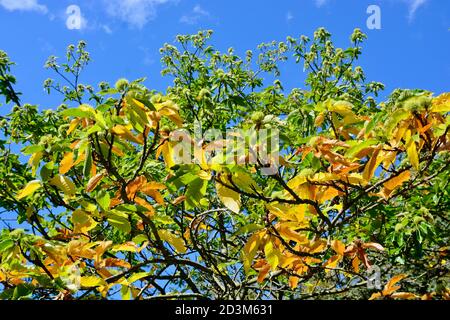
122,84
257,117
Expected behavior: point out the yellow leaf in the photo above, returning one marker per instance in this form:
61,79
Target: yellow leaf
230,198
64,184
167,152
34,161
127,246
250,249
441,103
172,239
126,133
29,189
338,247
73,125
66,163
343,108
332,262
271,255
91,281
319,120
82,222
413,156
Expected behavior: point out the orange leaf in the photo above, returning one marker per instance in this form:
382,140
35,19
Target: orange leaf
371,165
293,282
263,272
338,247
145,204
395,182
134,186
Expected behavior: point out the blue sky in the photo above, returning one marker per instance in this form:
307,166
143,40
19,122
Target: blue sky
411,50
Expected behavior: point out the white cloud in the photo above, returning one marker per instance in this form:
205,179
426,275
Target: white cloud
107,29
320,3
413,6
23,5
135,12
194,16
289,16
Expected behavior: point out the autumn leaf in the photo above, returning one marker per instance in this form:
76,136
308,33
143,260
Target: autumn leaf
94,181
173,240
338,247
372,165
29,189
230,198
66,163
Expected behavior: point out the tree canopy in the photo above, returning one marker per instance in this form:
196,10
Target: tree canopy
97,204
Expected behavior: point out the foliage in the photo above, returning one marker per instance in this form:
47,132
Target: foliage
104,210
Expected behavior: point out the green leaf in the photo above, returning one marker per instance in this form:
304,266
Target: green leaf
119,220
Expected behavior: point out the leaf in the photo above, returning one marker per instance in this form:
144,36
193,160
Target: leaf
343,108
195,192
82,222
73,125
91,282
394,120
293,282
166,149
359,146
66,163
371,165
248,228
395,182
441,103
394,280
404,295
94,181
230,198
373,245
64,184
127,246
263,273
135,185
34,161
333,262
250,249
173,240
271,255
413,156
338,247
29,189
119,220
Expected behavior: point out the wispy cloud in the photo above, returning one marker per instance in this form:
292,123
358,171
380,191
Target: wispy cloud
289,16
320,3
193,17
137,13
413,6
23,5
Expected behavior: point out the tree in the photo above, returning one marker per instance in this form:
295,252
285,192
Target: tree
106,209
